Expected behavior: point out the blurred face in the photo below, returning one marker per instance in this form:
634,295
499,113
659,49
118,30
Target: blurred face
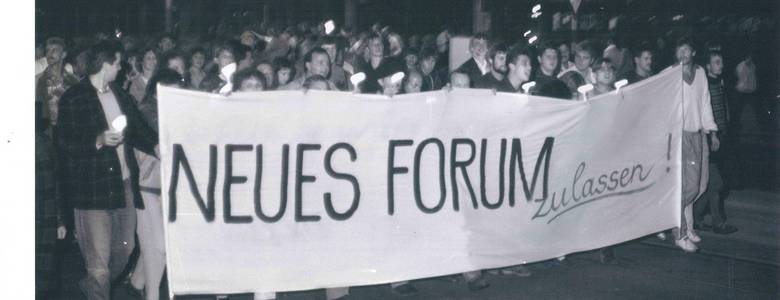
149,62
460,81
582,60
715,66
684,54
177,64
376,49
251,84
411,60
499,62
248,39
565,52
110,70
388,87
319,65
548,61
521,68
644,62
283,75
427,65
54,54
266,69
198,60
413,84
224,58
478,48
605,75
166,44
331,49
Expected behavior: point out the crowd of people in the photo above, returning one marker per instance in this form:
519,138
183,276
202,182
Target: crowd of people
103,180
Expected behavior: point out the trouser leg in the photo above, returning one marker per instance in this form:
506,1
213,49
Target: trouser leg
152,242
93,228
122,234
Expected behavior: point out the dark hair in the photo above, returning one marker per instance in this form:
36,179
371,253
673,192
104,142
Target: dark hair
168,56
553,89
643,46
308,56
314,78
428,52
245,74
240,51
498,48
543,46
225,47
164,76
517,51
197,50
102,52
711,54
56,41
586,46
281,63
168,35
599,63
479,36
682,41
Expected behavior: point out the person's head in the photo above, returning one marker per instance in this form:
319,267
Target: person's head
427,61
166,43
605,72
443,41
284,70
224,55
564,50
395,44
317,62
573,80
331,46
248,38
244,56
266,69
55,50
376,46
163,76
548,58
412,82
583,56
105,59
198,58
714,63
643,58
478,46
316,82
148,60
684,51
175,61
459,80
248,80
519,63
411,58
498,58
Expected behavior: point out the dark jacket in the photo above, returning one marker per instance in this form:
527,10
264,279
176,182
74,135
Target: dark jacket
93,177
470,68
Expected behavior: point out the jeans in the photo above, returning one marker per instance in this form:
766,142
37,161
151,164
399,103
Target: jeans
106,238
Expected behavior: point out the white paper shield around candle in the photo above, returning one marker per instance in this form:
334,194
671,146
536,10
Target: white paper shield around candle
527,86
329,26
357,78
397,77
119,123
620,84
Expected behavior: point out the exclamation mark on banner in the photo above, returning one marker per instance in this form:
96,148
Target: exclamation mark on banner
668,151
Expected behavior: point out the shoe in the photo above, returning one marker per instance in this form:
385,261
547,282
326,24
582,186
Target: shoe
724,229
661,236
478,284
686,245
693,236
518,270
405,290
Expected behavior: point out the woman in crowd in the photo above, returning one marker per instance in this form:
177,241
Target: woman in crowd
196,72
149,269
284,72
249,80
146,65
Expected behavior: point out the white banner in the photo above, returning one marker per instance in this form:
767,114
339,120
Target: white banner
281,191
